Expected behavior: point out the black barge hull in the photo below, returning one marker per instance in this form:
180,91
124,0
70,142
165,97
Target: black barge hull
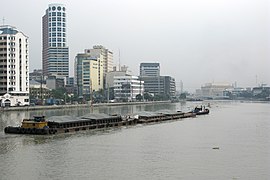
86,123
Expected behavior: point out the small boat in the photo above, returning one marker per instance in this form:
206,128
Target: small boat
201,111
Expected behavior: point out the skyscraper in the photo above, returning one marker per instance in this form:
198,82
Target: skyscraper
55,52
14,67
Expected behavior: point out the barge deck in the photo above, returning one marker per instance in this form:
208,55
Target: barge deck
65,124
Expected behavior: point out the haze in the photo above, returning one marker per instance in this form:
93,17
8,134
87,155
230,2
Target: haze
193,40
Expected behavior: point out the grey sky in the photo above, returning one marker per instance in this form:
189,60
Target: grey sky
196,41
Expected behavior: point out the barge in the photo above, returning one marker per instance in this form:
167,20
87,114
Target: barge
64,124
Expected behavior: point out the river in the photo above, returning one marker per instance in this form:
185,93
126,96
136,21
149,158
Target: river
232,142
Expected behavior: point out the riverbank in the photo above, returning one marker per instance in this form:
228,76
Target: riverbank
32,108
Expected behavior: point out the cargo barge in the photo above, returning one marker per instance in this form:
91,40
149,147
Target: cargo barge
40,126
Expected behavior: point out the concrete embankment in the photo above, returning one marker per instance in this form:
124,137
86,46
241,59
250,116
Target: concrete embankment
32,108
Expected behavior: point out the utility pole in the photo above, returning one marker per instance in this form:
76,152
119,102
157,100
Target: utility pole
91,95
108,93
41,88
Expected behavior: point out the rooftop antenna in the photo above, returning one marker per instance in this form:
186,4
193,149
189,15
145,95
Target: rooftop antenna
119,61
3,21
256,80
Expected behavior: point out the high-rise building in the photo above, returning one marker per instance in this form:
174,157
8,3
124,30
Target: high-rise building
107,59
150,69
88,73
55,52
14,67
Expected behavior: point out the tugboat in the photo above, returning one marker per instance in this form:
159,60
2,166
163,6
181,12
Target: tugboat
37,125
201,111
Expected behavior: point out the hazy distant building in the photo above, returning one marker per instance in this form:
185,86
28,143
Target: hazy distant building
55,52
170,87
14,67
160,85
52,82
213,90
149,69
37,75
88,73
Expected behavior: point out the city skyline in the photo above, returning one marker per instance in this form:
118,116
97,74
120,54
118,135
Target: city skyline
196,42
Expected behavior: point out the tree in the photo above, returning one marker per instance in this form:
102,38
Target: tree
148,97
139,97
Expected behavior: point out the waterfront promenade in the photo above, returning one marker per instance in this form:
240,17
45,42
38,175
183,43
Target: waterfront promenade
31,108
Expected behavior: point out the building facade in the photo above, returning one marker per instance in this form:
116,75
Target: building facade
126,88
149,69
55,52
88,73
214,90
14,67
160,85
107,55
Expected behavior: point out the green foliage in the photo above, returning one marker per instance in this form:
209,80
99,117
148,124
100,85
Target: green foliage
59,93
139,97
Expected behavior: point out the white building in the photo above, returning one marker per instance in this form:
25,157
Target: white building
214,90
110,75
14,67
126,88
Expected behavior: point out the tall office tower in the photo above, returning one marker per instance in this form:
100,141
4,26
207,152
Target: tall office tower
149,69
14,67
55,52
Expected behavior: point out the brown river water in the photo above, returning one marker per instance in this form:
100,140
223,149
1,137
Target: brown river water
232,142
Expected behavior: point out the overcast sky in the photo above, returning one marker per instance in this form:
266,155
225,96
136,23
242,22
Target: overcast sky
196,41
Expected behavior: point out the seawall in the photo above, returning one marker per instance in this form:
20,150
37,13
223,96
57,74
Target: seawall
32,108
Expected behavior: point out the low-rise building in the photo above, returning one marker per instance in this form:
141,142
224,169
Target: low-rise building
214,90
126,88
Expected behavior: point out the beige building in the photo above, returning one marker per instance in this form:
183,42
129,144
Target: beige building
88,73
107,57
